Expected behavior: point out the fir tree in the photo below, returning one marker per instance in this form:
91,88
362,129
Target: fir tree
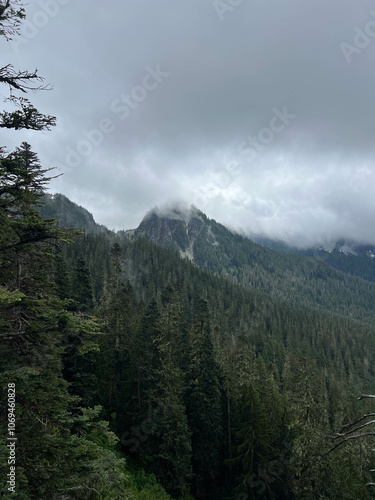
204,405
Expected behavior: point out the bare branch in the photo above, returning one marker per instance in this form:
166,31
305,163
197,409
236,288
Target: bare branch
340,434
356,436
365,396
11,15
21,80
347,426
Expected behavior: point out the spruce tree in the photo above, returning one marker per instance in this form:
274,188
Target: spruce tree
82,287
171,437
53,457
307,414
204,405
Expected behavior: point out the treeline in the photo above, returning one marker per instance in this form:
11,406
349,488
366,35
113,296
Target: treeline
215,389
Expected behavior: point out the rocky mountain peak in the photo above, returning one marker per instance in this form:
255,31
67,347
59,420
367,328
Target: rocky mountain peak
176,211
174,226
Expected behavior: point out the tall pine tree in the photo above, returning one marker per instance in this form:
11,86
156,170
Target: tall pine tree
204,405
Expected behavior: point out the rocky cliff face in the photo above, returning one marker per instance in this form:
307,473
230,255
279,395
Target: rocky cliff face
176,228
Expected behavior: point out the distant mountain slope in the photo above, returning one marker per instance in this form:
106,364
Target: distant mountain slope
324,281
69,214
356,265
303,280
301,365
350,257
177,229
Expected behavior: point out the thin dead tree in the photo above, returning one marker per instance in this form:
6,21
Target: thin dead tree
354,430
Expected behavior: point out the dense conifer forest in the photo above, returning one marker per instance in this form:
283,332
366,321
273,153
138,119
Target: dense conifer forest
140,374
129,371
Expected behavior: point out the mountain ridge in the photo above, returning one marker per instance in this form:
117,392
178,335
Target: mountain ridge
69,214
328,281
307,279
176,228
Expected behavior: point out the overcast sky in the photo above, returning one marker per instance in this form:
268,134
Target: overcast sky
259,112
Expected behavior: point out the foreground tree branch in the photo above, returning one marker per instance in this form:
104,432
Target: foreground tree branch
347,438
355,422
21,80
343,434
11,15
347,432
27,117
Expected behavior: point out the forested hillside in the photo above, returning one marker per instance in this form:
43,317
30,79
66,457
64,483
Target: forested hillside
68,214
286,376
177,361
354,258
211,388
298,279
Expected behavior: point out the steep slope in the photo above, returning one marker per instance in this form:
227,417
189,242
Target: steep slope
69,214
348,256
325,281
307,281
285,372
177,228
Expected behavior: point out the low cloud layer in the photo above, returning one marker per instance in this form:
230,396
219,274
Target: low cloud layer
259,113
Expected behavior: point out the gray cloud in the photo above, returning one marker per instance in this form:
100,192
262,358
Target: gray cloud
309,182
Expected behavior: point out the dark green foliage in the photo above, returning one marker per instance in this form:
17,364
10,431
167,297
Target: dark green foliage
172,437
68,214
286,278
57,447
232,394
82,289
356,265
252,340
204,405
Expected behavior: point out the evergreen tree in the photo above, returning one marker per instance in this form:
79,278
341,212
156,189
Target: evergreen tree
29,158
53,457
145,357
204,405
306,394
171,438
11,15
63,449
115,370
82,287
26,116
